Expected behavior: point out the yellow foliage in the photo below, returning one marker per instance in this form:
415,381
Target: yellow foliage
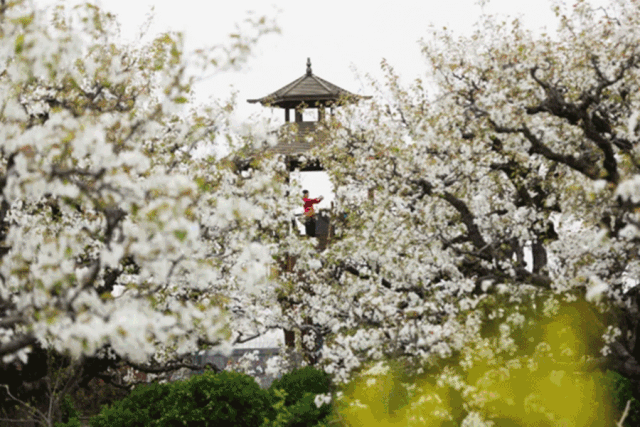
545,387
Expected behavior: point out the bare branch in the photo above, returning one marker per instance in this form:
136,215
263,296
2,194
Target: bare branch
538,147
169,367
34,411
468,220
625,414
10,321
17,344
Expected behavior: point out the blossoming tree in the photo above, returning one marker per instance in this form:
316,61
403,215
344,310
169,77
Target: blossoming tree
467,216
115,243
502,191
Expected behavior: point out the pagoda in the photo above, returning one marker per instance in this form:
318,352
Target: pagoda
297,137
305,93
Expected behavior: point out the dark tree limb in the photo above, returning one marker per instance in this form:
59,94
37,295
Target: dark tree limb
17,344
170,367
468,219
593,126
538,147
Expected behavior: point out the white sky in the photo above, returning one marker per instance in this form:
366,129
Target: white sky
345,39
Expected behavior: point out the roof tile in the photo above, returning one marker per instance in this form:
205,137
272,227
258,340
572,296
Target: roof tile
308,88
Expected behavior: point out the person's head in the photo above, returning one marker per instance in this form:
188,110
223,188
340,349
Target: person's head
305,193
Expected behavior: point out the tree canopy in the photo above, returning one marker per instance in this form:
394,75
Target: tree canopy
475,209
503,194
100,193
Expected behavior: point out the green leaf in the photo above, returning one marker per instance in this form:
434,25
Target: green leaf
19,45
180,235
24,21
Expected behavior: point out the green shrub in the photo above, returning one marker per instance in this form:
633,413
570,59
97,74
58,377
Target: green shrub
73,422
619,388
225,399
69,414
144,405
281,416
301,381
301,387
305,413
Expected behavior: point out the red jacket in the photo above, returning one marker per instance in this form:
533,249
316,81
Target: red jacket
308,205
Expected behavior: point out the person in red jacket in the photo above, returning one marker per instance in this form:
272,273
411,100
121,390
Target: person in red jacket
308,203
309,213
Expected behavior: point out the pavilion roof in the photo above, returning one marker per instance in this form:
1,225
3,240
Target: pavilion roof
309,89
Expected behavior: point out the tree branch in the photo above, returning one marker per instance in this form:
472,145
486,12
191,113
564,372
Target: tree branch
10,321
468,219
17,344
148,369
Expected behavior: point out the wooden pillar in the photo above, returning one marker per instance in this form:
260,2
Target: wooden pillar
290,339
286,115
298,116
321,114
289,335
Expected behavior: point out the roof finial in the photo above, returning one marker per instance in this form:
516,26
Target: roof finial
309,66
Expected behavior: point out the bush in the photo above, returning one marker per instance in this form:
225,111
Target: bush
301,387
90,398
619,388
144,405
70,415
73,422
301,381
225,399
